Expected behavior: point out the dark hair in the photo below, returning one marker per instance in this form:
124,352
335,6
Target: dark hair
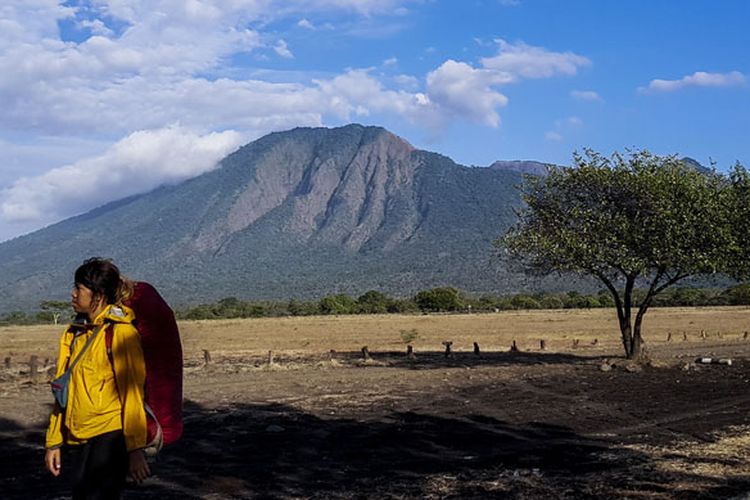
100,276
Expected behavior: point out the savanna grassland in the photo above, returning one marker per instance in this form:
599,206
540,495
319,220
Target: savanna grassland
315,419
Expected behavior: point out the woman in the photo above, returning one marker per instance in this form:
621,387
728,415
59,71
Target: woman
104,421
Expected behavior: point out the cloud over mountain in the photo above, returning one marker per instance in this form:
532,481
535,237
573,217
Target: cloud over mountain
138,163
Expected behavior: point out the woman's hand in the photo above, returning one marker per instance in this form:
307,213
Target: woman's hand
52,461
138,469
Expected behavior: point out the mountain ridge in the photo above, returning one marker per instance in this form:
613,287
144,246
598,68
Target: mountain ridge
295,214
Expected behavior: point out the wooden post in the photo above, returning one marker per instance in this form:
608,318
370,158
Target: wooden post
542,345
206,357
7,361
410,352
366,353
476,349
447,345
703,334
269,361
34,367
744,337
684,336
669,337
514,347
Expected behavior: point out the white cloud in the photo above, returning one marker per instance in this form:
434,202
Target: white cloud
585,95
282,49
138,163
697,79
304,23
147,64
522,61
367,7
407,82
553,136
464,91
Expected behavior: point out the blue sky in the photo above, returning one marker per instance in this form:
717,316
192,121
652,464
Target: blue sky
107,98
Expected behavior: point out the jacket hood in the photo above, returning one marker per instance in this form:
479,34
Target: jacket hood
116,314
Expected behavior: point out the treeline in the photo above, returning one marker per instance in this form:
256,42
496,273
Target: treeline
444,299
448,299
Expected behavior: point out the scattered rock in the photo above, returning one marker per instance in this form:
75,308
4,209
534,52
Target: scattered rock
605,367
275,428
633,368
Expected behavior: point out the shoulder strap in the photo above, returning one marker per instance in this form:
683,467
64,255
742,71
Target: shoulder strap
109,334
85,347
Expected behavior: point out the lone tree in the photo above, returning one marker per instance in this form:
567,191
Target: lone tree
629,220
54,309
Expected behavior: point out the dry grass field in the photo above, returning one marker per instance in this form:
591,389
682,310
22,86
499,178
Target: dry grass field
569,421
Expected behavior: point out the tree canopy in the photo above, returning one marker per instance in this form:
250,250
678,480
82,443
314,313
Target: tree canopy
628,220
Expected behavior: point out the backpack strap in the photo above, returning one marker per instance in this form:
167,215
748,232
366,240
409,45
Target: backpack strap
109,334
83,351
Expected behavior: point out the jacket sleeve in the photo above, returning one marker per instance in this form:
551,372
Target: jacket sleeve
55,436
130,375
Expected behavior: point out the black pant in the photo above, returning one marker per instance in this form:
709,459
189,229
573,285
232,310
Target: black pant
99,467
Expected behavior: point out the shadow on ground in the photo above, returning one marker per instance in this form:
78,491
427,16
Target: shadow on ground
275,451
423,360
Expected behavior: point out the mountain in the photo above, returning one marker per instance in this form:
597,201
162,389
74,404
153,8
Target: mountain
296,214
529,167
695,164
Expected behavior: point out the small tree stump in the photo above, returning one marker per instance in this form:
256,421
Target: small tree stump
476,349
366,353
206,357
33,367
542,345
669,337
575,343
269,361
513,347
447,345
410,352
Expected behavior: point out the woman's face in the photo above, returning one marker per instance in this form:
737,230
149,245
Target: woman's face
83,299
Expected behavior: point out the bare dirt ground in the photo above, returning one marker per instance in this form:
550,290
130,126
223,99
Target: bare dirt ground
571,421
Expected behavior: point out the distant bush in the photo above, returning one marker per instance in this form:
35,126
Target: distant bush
444,299
373,302
439,300
337,304
524,302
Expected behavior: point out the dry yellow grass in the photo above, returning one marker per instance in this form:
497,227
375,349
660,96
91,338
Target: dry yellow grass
494,332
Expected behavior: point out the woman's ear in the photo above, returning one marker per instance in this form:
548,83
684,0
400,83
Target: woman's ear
99,300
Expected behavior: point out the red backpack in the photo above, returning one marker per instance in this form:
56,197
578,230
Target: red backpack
162,352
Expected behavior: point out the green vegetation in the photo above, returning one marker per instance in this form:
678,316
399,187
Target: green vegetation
374,302
630,220
409,336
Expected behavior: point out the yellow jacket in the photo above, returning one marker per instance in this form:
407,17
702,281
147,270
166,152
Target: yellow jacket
102,397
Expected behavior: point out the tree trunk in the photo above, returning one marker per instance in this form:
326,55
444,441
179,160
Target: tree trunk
636,347
626,332
636,343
